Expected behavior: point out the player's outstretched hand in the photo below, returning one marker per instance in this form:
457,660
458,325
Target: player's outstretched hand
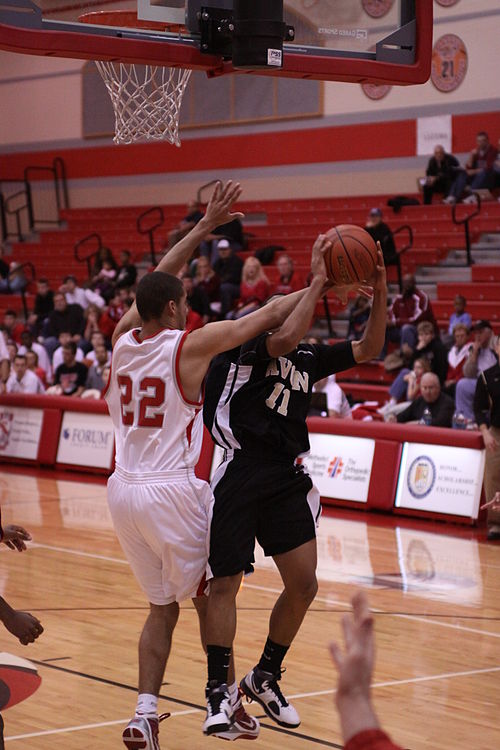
23,625
355,662
321,245
379,279
493,503
15,537
221,202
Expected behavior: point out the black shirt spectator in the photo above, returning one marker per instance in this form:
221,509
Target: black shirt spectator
229,269
64,317
127,272
233,231
439,404
381,232
71,375
441,171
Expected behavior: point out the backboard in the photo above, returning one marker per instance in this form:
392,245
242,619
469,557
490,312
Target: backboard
379,41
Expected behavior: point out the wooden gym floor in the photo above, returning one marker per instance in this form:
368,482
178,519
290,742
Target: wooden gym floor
435,590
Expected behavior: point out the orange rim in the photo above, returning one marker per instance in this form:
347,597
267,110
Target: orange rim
128,19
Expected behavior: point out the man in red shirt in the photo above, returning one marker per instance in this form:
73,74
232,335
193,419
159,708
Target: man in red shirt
408,309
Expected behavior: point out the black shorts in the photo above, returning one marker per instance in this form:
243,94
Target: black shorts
274,503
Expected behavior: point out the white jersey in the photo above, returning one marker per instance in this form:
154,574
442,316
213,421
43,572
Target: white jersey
156,429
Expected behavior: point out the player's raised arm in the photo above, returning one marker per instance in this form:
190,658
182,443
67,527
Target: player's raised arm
219,212
370,345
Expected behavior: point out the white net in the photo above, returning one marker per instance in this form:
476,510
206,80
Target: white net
147,100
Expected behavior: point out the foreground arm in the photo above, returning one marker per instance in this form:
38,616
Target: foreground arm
360,726
218,212
370,345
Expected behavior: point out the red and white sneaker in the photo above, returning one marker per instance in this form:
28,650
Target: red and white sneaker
141,733
243,726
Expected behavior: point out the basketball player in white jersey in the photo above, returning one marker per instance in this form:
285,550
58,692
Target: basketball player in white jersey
160,510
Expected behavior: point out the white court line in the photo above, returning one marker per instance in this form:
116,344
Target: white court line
81,727
390,683
269,590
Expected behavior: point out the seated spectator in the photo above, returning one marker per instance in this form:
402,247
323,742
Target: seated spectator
4,362
232,232
76,295
459,316
14,281
44,304
117,307
228,268
441,172
481,356
432,399
127,272
28,344
33,365
409,308
70,376
456,358
289,280
97,340
479,170
12,350
196,298
4,271
430,346
63,317
104,282
337,404
254,289
92,315
12,326
22,380
406,386
104,255
95,375
205,278
381,232
58,356
192,217
358,317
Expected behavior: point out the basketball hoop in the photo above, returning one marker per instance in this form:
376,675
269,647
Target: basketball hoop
147,99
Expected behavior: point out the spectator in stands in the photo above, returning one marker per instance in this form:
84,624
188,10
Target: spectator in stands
95,376
358,317
193,216
232,232
28,344
12,350
44,304
360,726
440,174
33,365
97,340
104,282
4,271
4,362
481,356
63,317
337,404
104,255
93,324
430,347
228,268
71,376
117,307
487,416
22,380
289,280
381,232
407,311
127,272
12,326
14,280
459,315
58,356
478,173
254,288
205,278
432,399
456,358
76,295
406,386
196,298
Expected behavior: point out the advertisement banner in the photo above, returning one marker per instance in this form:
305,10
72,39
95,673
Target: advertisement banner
440,479
340,466
86,440
20,432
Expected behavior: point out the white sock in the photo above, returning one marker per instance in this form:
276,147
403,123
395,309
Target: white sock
233,693
147,705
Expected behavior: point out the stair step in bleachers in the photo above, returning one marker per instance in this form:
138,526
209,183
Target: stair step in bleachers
486,273
472,292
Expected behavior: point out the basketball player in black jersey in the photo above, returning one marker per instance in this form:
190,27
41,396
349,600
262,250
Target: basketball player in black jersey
256,402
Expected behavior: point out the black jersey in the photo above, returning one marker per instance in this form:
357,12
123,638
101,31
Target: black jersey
259,404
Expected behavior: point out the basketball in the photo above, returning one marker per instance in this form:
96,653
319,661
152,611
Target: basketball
352,258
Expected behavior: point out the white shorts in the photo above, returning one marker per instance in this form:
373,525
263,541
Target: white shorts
163,528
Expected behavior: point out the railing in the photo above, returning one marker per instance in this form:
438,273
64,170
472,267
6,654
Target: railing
401,250
22,291
26,196
466,221
144,227
88,258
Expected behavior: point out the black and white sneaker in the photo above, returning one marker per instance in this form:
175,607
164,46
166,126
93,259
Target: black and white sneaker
263,687
219,711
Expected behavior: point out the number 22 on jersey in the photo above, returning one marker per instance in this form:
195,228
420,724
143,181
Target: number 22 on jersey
148,408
